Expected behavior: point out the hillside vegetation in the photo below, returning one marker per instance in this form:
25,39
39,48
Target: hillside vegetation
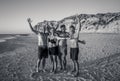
97,23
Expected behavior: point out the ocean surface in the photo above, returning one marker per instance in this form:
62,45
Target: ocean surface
8,42
4,37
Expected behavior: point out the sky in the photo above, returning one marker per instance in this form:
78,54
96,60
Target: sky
13,13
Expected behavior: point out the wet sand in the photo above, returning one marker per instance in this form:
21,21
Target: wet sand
99,60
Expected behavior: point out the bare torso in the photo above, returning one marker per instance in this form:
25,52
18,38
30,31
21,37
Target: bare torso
42,39
63,42
73,41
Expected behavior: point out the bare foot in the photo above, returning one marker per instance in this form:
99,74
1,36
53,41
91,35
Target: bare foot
37,70
43,70
76,74
52,70
55,71
61,68
73,70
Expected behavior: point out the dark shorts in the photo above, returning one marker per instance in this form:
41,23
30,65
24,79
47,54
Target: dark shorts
42,52
53,51
74,53
63,50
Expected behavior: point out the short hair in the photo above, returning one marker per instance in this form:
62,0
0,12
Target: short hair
63,26
51,29
72,27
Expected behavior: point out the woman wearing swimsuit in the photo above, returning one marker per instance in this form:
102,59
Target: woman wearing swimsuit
53,49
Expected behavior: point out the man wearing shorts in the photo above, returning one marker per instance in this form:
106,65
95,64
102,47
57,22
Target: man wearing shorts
63,47
74,47
74,50
42,45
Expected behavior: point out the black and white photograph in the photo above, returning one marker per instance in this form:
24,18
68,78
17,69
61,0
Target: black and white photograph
59,40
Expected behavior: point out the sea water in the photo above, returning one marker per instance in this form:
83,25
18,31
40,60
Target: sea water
1,40
6,37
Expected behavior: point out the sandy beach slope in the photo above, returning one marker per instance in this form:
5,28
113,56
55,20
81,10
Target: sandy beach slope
99,60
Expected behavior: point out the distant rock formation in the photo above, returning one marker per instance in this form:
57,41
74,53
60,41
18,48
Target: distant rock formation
97,23
94,23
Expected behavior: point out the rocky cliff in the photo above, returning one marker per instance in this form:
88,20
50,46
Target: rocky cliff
96,23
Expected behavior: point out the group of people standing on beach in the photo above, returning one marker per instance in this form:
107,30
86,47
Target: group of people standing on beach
53,43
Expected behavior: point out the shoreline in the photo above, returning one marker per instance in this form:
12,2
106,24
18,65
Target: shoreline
9,44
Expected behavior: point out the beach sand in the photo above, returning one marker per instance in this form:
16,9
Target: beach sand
99,60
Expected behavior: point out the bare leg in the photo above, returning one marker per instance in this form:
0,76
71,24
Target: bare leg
43,64
64,57
77,66
51,57
61,65
56,63
53,64
38,64
77,69
74,66
64,62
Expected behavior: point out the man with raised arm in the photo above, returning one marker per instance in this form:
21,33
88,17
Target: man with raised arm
74,47
42,44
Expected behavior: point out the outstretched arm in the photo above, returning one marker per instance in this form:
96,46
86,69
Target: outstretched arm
81,41
29,21
59,38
